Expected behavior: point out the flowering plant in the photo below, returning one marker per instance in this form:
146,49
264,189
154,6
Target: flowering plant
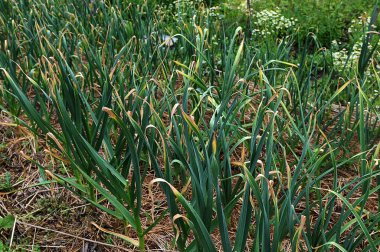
272,22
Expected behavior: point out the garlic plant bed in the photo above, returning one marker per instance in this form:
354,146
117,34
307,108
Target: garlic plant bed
145,128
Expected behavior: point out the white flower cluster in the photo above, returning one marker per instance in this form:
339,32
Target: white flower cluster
358,24
271,22
216,12
186,2
236,5
343,59
186,9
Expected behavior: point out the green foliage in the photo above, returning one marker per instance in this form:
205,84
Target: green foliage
6,182
329,20
229,126
7,222
2,247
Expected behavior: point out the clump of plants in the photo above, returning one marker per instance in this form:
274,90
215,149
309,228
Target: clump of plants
267,23
346,60
327,20
248,145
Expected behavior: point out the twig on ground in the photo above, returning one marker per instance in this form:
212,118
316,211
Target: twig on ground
71,235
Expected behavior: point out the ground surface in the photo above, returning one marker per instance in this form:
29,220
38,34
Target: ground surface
51,218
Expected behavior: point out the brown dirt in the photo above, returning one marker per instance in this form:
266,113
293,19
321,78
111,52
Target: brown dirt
52,218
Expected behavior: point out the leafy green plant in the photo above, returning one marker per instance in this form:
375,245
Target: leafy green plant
239,134
328,20
6,182
7,222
